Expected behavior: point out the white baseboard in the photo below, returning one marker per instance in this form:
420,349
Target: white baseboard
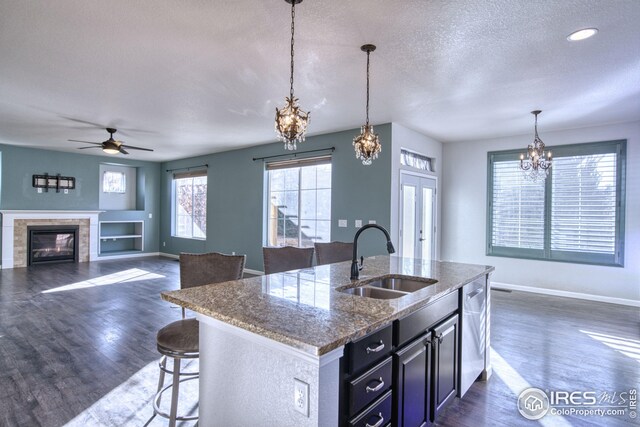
133,255
164,254
566,294
248,270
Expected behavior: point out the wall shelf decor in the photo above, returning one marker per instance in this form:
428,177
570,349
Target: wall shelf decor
58,182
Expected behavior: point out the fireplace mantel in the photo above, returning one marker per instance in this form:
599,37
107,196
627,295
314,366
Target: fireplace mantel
8,228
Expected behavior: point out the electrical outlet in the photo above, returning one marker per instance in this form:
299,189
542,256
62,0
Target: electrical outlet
342,223
301,397
358,223
233,252
150,215
66,191
39,190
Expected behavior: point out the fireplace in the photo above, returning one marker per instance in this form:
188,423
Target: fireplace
51,243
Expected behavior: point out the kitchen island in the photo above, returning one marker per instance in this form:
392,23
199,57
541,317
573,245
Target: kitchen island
263,338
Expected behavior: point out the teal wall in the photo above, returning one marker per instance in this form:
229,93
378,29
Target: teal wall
235,196
18,164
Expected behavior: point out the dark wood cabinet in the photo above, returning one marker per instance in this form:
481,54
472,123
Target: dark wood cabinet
445,363
404,373
412,383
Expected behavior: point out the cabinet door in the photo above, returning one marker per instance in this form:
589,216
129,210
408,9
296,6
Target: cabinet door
412,380
445,363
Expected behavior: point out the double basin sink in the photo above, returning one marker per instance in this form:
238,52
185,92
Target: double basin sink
388,288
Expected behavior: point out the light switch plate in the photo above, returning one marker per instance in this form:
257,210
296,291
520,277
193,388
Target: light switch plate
372,221
39,190
358,223
150,215
342,223
301,397
66,191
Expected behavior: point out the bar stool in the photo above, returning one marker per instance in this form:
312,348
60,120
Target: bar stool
287,258
328,253
180,339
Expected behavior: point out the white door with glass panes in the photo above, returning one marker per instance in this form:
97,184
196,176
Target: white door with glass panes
417,216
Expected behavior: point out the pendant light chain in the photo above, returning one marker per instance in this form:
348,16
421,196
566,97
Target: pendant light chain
368,53
291,121
367,143
293,20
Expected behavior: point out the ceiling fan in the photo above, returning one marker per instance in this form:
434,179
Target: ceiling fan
111,146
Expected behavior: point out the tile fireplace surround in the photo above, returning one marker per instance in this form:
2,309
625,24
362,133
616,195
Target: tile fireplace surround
14,233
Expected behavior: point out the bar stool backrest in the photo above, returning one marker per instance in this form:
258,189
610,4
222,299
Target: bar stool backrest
287,258
328,253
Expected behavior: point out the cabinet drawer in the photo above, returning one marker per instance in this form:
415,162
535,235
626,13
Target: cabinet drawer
420,321
370,349
377,415
368,386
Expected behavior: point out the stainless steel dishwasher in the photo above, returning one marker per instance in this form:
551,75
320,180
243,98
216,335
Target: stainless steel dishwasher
474,305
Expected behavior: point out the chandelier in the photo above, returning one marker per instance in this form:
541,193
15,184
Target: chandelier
291,121
367,144
536,163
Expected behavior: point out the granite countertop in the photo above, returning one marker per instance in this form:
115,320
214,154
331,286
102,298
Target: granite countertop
303,309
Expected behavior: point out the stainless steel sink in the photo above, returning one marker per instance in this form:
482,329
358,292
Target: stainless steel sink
376,293
402,285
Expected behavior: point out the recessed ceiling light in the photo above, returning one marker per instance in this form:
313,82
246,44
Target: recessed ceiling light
582,34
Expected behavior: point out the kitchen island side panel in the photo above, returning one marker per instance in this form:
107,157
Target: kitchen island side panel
246,381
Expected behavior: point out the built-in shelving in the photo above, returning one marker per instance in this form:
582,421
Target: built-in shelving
120,237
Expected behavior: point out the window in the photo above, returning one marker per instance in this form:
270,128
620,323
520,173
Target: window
114,182
190,205
575,215
415,160
299,202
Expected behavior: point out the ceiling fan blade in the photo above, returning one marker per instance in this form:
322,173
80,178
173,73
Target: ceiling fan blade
84,148
86,142
123,151
84,122
131,147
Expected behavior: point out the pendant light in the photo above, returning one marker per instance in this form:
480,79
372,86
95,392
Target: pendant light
367,144
291,121
535,163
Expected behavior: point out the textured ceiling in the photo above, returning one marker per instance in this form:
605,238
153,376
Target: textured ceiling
195,77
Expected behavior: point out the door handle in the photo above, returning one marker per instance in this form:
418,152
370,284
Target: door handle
380,347
475,293
378,423
376,388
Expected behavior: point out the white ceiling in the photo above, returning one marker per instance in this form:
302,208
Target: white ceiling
196,77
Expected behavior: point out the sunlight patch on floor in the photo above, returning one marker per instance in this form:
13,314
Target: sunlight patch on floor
517,384
129,404
626,346
125,276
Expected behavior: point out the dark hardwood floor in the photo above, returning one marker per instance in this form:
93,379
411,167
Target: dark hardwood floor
77,348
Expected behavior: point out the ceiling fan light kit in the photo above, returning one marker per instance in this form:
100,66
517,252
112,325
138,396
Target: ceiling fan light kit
111,146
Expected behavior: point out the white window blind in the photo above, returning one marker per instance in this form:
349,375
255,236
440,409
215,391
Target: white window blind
518,208
416,160
576,215
583,207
